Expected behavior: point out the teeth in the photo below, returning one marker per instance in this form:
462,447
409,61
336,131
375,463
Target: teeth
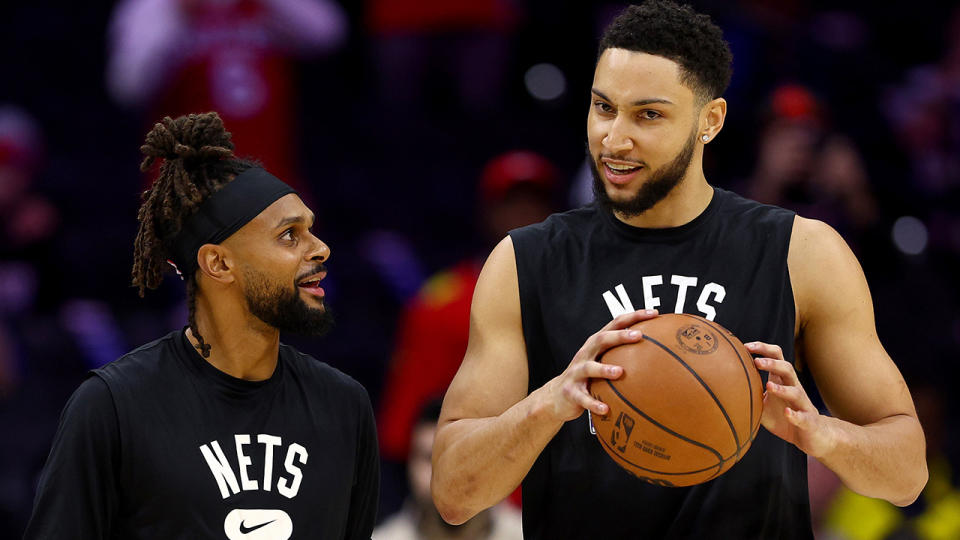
622,168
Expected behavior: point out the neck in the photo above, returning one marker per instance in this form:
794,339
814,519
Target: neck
685,202
241,345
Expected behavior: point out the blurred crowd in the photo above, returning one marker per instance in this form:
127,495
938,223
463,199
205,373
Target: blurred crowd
420,131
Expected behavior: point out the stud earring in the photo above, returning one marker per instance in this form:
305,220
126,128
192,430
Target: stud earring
704,137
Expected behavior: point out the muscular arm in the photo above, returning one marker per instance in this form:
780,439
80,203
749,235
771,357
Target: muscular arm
490,430
873,441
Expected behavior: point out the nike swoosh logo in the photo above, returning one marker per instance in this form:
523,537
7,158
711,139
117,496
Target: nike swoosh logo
245,530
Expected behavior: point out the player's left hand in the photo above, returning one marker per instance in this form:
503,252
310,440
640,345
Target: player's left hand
787,411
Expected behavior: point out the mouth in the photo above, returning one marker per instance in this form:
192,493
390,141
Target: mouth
620,172
311,284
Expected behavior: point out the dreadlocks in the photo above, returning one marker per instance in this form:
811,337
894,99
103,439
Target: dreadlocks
196,160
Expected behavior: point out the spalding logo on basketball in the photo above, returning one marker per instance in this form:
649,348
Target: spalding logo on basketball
697,339
687,406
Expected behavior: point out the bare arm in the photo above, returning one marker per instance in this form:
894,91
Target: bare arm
490,431
873,441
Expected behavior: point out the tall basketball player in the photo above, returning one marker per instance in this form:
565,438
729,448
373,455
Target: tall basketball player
217,430
660,237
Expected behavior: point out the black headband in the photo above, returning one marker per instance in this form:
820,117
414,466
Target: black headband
224,212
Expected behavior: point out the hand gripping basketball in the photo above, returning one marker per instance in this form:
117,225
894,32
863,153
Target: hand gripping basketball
787,411
568,391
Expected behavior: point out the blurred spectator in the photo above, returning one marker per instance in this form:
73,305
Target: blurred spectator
804,166
419,519
516,189
27,218
47,340
28,221
924,111
466,42
231,56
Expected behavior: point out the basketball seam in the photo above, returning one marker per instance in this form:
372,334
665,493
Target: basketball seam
736,438
661,426
720,330
718,466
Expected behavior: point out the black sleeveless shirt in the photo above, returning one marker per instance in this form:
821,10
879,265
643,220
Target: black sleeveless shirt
577,271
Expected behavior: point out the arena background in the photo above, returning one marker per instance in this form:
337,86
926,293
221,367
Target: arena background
386,112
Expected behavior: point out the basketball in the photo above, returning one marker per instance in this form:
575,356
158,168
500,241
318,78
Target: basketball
687,406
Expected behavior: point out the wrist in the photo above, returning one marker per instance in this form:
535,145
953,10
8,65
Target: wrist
542,409
830,438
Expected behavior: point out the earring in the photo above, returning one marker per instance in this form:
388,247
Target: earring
704,137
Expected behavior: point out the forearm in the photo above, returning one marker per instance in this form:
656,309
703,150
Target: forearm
885,460
479,461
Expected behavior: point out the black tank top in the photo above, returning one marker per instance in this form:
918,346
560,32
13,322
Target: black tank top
579,269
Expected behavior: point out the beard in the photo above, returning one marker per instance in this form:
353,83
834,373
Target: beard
655,189
282,308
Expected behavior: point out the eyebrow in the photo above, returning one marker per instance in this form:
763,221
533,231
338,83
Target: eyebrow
639,102
293,219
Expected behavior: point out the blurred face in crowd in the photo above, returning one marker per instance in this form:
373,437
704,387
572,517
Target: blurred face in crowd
641,129
521,205
419,467
280,268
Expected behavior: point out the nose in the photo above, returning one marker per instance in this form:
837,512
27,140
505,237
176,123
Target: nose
617,140
320,252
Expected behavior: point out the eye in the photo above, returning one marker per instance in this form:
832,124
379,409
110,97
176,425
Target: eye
650,115
287,234
603,106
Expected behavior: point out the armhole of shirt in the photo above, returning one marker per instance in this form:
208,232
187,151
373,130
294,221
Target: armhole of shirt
530,318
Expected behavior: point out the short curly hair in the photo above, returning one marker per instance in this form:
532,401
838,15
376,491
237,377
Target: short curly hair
679,33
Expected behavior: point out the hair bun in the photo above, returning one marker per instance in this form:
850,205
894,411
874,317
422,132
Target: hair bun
190,138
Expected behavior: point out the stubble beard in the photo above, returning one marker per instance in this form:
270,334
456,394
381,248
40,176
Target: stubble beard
655,189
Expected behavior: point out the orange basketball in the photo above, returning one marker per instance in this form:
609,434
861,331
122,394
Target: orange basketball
687,406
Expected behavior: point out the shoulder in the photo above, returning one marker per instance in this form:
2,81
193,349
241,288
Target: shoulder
736,207
92,397
571,221
817,249
823,269
322,377
557,238
90,414
142,364
812,237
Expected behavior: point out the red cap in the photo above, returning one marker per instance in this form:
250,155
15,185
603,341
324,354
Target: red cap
515,168
795,102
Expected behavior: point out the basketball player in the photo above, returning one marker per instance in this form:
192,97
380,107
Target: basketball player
218,430
661,238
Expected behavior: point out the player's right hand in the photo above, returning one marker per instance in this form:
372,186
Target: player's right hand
567,392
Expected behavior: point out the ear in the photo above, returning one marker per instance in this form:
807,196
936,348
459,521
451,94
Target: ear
711,119
214,263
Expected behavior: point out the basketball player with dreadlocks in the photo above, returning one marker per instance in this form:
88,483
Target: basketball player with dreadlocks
218,430
660,237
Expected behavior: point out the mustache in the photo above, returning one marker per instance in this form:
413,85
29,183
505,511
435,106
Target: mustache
596,159
315,270
611,156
